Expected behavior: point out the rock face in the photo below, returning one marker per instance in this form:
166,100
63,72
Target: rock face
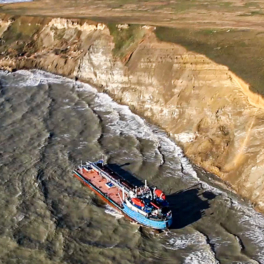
208,110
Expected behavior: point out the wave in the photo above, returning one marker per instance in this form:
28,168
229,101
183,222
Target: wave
119,121
110,210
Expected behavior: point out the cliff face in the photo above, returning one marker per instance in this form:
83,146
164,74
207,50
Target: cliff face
208,110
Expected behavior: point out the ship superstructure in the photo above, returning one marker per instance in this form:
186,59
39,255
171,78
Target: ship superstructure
145,205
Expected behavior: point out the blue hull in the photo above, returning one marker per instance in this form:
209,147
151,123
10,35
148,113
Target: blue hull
141,219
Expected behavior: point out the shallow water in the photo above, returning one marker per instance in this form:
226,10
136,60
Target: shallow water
48,125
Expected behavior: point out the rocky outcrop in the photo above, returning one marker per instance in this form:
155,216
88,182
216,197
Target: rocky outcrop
207,109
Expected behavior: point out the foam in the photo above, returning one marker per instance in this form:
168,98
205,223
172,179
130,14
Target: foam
110,210
253,227
201,251
185,240
84,87
18,79
200,257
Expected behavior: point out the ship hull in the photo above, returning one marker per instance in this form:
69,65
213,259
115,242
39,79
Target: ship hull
141,219
124,209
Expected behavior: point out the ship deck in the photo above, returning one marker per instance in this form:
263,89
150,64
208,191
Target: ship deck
100,182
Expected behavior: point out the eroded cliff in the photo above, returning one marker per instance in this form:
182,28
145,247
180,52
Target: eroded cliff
208,110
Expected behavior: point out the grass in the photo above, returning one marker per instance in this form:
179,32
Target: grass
21,30
19,33
252,4
125,39
253,13
241,50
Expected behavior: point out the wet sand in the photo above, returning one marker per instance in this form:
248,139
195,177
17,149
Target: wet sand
48,124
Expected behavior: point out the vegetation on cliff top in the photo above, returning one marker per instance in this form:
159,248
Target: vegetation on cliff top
126,38
241,50
19,35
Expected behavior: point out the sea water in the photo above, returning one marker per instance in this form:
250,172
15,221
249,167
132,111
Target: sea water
48,126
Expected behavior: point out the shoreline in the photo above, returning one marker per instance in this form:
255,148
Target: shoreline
202,105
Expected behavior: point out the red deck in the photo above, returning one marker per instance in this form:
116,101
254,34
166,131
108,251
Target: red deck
100,182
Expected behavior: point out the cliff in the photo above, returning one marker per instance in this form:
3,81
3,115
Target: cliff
206,108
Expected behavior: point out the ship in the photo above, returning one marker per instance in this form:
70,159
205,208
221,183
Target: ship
142,204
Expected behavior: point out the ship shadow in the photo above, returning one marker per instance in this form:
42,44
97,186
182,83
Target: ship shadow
188,206
126,175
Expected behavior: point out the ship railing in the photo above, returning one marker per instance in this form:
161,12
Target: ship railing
108,177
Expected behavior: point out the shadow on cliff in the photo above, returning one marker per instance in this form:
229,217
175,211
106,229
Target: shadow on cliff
188,206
